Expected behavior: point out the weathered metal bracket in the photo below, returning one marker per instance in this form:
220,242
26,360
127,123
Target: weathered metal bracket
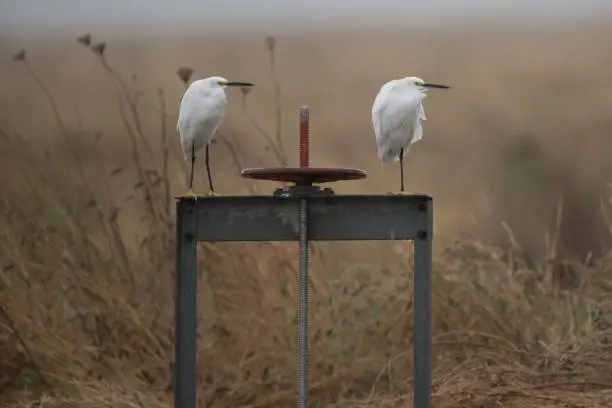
276,218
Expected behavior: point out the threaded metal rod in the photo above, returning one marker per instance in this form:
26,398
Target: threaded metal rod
303,268
303,307
304,136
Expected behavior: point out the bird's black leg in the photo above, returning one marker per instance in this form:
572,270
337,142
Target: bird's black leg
190,193
192,167
401,160
210,182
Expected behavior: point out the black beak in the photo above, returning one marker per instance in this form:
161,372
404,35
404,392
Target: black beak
239,84
436,86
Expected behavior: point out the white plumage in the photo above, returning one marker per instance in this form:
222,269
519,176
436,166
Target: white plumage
397,113
201,112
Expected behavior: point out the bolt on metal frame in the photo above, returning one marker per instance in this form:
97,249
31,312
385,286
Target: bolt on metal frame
303,213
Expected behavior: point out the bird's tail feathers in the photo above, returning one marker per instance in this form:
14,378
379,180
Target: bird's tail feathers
388,155
418,134
186,152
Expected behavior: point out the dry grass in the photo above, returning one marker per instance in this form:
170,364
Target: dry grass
90,162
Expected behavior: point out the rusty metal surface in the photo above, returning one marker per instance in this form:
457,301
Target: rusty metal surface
304,136
304,175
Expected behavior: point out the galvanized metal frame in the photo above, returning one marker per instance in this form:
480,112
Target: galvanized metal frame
276,218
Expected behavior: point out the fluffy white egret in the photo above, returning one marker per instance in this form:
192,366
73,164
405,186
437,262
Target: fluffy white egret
200,114
396,118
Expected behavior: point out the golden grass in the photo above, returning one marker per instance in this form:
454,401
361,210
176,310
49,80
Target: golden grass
90,163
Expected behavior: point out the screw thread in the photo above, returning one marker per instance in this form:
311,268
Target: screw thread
302,357
304,136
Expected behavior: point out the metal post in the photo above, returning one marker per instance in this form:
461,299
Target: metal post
185,305
422,309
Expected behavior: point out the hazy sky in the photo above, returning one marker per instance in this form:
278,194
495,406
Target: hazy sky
163,15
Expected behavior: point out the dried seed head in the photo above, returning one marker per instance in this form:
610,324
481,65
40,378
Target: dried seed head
99,48
245,90
270,42
184,73
20,56
85,39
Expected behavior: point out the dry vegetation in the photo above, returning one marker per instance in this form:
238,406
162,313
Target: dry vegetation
516,155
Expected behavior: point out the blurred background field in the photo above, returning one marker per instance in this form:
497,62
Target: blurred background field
516,155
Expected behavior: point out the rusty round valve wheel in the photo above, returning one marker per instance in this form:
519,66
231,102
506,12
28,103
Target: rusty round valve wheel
304,175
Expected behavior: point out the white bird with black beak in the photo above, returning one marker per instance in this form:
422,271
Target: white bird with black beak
200,114
396,118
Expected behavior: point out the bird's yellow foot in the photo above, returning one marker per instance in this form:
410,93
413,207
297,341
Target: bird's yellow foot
190,194
399,193
213,194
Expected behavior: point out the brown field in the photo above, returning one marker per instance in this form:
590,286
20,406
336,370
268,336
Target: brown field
516,155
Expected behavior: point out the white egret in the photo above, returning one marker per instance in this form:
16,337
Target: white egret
396,118
200,114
